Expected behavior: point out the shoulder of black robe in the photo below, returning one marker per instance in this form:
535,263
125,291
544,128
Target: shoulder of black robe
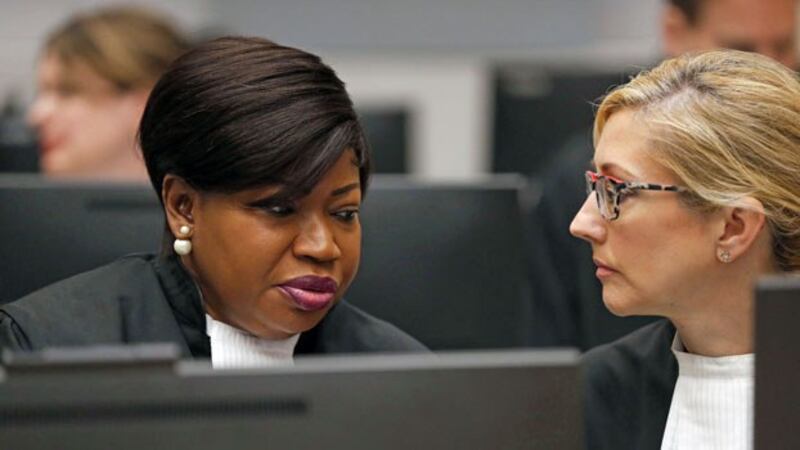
122,302
629,385
347,329
12,337
144,298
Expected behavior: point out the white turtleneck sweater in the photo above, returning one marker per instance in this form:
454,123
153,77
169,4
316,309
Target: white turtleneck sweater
712,405
232,348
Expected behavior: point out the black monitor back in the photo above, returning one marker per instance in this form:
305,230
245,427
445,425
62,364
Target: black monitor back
777,391
52,230
18,147
538,108
468,401
387,133
445,261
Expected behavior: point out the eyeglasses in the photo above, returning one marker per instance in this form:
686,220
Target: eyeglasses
610,190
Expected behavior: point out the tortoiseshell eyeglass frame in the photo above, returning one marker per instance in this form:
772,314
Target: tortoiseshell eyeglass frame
612,189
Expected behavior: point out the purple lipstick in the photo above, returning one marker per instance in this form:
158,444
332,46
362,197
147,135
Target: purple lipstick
310,293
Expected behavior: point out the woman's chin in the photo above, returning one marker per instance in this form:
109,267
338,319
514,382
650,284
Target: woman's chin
618,305
300,321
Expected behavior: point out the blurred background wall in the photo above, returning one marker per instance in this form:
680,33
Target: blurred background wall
450,89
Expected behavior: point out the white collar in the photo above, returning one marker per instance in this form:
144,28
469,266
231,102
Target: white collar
235,348
694,365
712,403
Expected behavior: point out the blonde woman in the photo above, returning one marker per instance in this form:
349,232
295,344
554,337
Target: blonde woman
695,194
94,76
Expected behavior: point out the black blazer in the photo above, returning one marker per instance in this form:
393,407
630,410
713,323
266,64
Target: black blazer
147,299
629,386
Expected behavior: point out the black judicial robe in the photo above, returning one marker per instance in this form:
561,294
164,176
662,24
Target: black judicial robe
629,386
148,299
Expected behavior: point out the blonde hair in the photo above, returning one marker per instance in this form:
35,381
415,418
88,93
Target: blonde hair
727,123
131,47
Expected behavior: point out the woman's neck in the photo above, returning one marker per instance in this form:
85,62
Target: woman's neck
722,326
719,319
721,336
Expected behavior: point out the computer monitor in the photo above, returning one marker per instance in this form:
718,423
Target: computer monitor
445,261
51,230
19,150
777,390
539,108
387,131
466,401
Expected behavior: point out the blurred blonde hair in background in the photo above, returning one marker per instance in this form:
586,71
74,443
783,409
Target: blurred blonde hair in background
129,46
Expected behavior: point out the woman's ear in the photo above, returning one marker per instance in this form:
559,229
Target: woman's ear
180,200
742,225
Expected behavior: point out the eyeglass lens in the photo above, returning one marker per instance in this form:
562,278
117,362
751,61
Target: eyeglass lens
605,194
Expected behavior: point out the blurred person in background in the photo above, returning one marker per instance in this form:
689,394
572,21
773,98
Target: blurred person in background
693,196
569,310
94,75
761,26
767,27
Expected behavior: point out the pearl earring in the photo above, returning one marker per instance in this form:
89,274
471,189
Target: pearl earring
183,246
724,256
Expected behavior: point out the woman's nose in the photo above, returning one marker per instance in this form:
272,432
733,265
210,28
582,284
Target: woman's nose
40,110
316,241
587,223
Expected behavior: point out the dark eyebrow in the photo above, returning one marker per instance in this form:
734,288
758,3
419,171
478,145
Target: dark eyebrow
345,189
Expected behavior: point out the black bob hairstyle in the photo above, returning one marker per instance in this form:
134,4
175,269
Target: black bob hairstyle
237,113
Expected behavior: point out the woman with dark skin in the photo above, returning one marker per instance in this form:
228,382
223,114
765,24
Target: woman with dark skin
261,164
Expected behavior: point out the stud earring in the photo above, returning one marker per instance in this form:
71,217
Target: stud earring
724,256
183,246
